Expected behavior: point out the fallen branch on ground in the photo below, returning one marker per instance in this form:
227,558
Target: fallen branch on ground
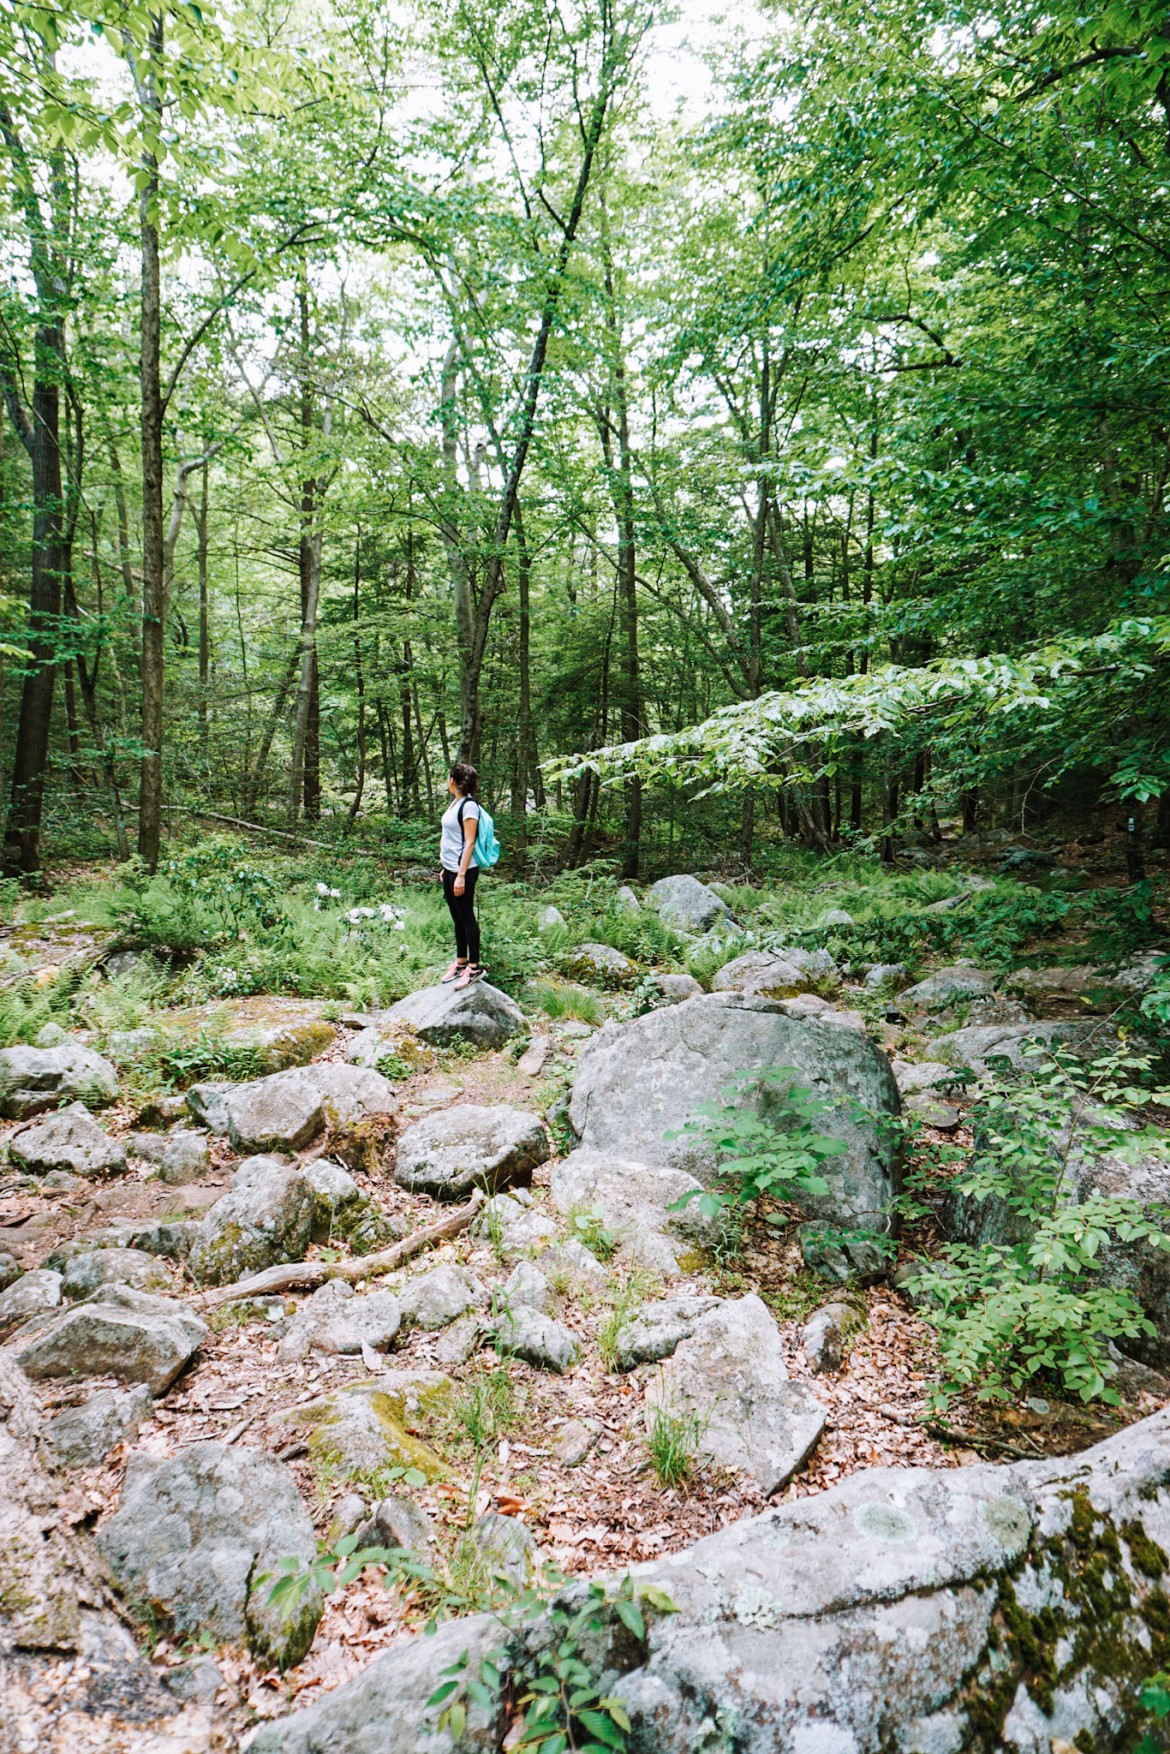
308,1275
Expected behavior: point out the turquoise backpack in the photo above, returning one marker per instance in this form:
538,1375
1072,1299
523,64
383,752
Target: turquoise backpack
487,847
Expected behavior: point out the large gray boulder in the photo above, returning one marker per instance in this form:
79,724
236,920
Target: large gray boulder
128,1334
436,1299
687,904
905,1611
70,1140
29,1295
635,1202
280,1113
729,1373
945,987
540,1340
88,1272
600,965
265,1218
1018,1044
658,1328
208,1102
637,1081
182,1156
34,1079
352,1097
480,1014
196,1538
449,1153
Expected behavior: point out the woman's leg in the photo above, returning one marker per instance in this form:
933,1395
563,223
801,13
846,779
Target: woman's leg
470,923
455,908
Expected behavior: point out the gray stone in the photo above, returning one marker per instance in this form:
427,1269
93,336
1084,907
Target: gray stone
333,1190
337,1320
730,1374
812,1005
913,1078
125,1047
881,974
637,1081
208,1105
575,1440
763,974
870,1618
89,1272
456,1344
600,965
625,901
837,916
843,1257
526,1286
655,1332
933,1113
531,1061
29,1295
83,1436
172,1238
635,1202
128,1334
34,1079
573,1030
367,1426
538,1339
1025,859
266,1218
349,1517
687,904
825,1334
353,1097
511,1228
194,1536
196,1681
186,1158
479,1013
1020,1045
436,1299
162,1110
505,1544
282,1112
449,1153
946,987
550,918
398,1523
69,1140
384,1710
572,1260
674,989
10,1269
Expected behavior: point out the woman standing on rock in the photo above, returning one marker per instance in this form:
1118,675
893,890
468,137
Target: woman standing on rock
460,870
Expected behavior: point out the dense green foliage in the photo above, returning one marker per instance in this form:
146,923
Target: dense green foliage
500,409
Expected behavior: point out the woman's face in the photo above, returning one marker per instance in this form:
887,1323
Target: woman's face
452,787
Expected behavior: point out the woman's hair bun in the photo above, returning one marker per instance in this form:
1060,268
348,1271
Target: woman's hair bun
465,777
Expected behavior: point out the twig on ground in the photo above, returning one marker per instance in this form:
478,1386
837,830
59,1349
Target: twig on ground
307,1275
976,1441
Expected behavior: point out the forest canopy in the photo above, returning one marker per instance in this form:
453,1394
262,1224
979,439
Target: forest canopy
775,431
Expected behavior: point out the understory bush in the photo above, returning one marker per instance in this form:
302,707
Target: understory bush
1046,1295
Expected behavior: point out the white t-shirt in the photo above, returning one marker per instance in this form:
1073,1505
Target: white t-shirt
451,843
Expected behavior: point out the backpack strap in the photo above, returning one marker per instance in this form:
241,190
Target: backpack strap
463,803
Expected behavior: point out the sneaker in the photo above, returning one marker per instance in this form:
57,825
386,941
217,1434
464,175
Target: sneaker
455,969
472,972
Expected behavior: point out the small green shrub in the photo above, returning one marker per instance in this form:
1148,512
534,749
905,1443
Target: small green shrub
588,1226
673,1441
562,1000
777,1152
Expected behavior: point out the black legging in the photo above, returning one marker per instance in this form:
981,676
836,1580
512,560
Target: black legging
463,913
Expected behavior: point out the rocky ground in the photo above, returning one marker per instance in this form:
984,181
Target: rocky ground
175,1431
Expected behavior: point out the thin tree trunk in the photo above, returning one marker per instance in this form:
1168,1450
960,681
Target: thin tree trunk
423,751
255,775
204,625
524,717
154,607
359,681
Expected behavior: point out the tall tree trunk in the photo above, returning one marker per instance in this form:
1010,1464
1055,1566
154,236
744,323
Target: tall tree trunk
255,776
307,740
308,657
408,792
38,427
524,710
154,607
359,681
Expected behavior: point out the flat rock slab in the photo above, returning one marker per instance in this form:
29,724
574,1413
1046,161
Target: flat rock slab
687,904
730,1374
634,1202
480,1014
275,1031
353,1097
35,1079
640,1080
881,1616
1019,1044
83,1436
89,1272
945,987
265,1218
193,1536
449,1153
280,1113
511,1228
338,1320
128,1334
658,1328
29,1295
69,1140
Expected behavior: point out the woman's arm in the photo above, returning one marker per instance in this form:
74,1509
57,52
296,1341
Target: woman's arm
470,826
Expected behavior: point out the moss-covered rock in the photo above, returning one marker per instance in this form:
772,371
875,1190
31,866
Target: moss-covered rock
368,1427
